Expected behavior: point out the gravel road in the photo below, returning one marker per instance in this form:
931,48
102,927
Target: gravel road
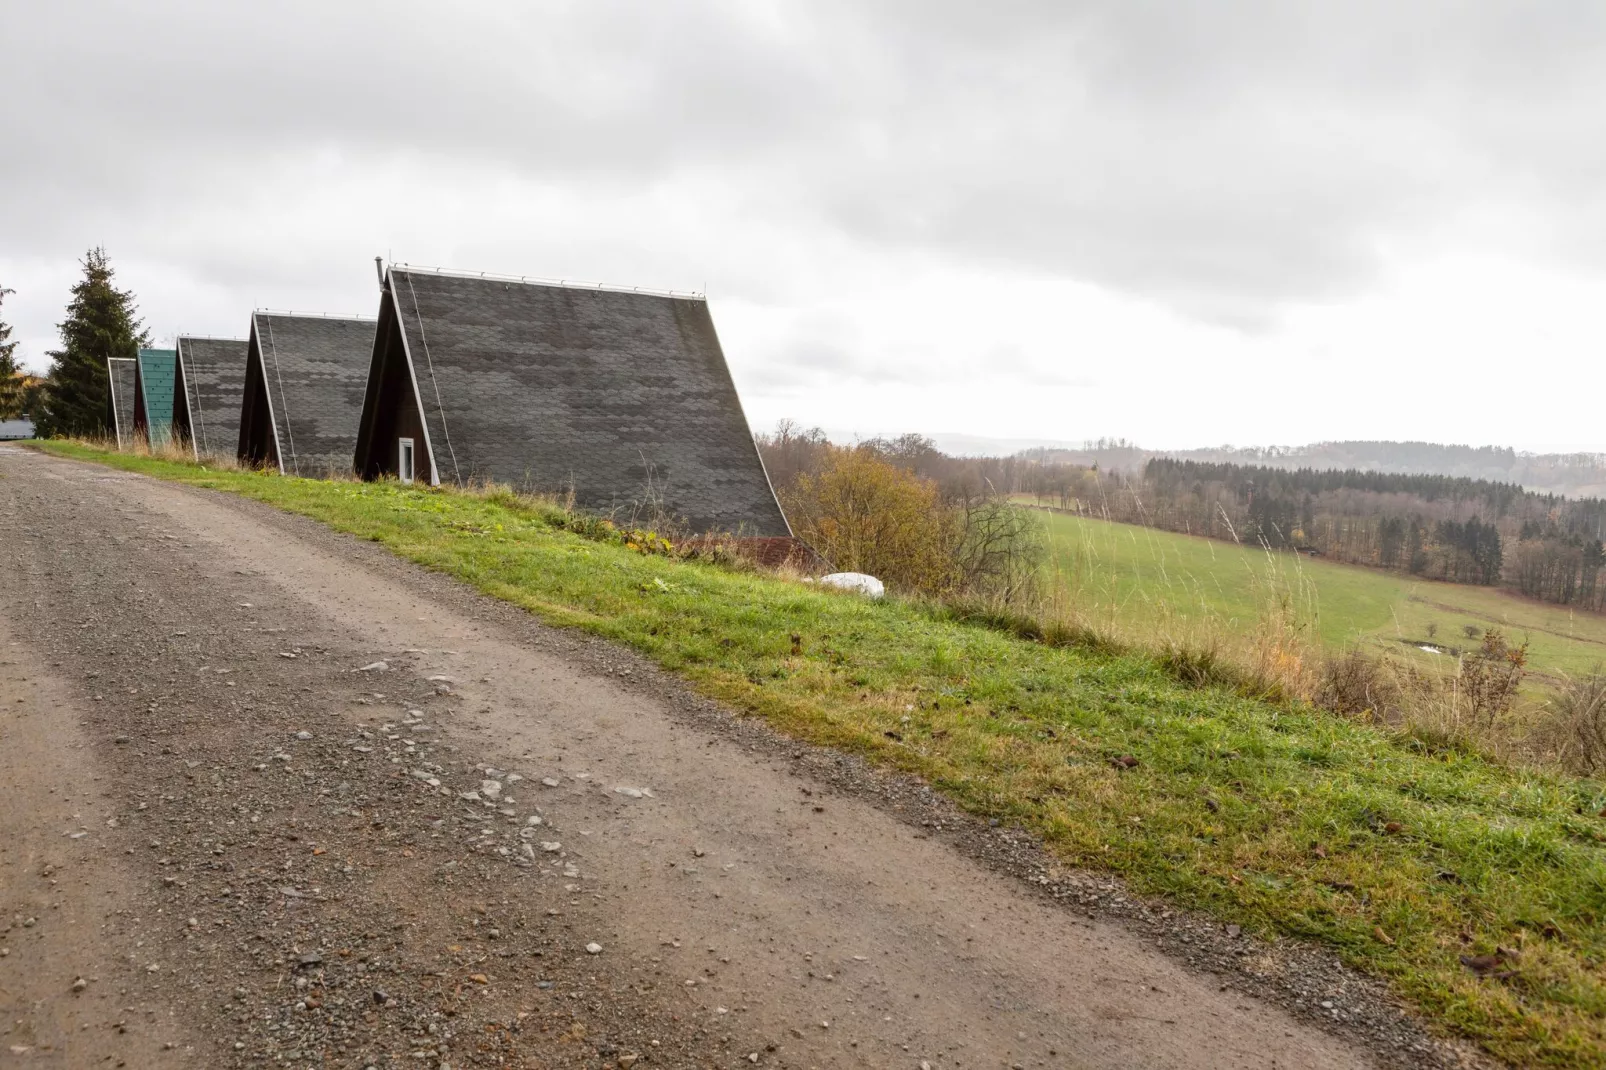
274,798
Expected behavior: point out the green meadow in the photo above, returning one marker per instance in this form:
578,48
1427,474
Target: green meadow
1139,582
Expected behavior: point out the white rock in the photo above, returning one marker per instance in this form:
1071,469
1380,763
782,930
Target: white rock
491,789
855,581
532,820
469,796
376,666
512,778
550,781
629,793
551,845
303,734
593,948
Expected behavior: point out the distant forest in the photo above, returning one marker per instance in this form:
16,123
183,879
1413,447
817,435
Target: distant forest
1439,526
1572,474
1442,527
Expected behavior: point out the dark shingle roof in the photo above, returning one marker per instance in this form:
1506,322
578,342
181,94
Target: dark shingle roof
623,396
120,422
212,373
315,369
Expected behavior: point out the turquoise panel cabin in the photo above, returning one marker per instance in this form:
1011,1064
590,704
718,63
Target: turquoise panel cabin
154,378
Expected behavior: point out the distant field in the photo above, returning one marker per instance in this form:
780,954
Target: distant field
1136,579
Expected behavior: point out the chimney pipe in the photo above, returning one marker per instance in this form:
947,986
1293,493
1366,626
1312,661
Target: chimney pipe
379,266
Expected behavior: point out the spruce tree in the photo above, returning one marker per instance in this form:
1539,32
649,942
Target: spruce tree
10,375
101,323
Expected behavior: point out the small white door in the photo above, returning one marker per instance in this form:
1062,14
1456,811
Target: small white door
404,459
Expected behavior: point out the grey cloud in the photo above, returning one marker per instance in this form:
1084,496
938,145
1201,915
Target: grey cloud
1224,157
1229,156
825,355
598,89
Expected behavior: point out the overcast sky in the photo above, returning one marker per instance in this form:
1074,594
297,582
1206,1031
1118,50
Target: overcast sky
1184,223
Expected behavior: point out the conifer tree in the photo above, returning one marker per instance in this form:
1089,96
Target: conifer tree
102,322
11,382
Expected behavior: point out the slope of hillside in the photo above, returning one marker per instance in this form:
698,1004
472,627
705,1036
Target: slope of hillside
1139,579
1279,818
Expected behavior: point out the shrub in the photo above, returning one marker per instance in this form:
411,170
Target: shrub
1355,684
1490,678
866,513
999,550
1578,723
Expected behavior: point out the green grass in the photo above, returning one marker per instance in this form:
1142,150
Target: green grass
1135,580
1224,811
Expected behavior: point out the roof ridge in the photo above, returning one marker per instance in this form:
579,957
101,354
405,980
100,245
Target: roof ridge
291,313
538,280
207,338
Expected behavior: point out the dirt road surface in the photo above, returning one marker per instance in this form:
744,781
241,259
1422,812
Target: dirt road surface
274,798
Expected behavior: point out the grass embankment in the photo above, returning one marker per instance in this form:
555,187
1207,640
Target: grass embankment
1139,581
1283,819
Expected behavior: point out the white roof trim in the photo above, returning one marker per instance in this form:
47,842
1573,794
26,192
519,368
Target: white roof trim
535,280
284,313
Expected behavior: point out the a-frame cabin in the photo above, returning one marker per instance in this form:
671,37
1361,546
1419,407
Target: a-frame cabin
120,399
154,375
208,393
303,393
621,398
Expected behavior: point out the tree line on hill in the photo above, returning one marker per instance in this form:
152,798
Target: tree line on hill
102,322
1572,474
1442,527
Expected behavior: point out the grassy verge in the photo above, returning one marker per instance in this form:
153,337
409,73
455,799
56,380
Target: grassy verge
1282,819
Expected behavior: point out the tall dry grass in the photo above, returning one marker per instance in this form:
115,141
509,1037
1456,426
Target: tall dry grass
1273,654
179,448
176,448
1481,701
1574,732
